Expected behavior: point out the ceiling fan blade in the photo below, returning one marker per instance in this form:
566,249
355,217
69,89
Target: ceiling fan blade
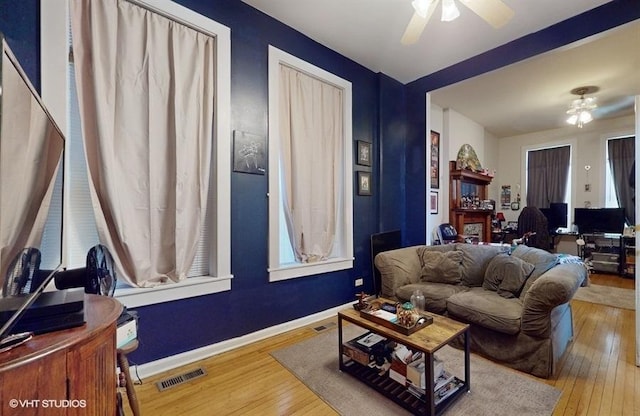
416,25
495,12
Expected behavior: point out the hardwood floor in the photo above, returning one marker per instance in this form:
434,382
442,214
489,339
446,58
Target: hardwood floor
597,375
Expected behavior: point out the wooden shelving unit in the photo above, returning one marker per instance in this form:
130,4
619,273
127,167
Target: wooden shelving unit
467,190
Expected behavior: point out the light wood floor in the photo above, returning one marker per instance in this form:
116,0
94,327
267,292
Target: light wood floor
597,376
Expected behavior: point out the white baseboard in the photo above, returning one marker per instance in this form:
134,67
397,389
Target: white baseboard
165,364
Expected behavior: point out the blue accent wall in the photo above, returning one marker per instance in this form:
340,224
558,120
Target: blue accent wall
386,113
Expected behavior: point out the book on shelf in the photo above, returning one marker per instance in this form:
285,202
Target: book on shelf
444,378
448,389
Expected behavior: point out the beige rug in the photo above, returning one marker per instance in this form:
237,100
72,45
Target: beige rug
605,295
495,390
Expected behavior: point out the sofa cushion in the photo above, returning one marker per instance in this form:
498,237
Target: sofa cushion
487,309
475,259
435,294
541,259
506,275
438,267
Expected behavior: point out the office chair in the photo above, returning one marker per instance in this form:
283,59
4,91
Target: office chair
447,234
101,280
22,275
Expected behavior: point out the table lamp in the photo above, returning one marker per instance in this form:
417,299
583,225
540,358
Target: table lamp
500,217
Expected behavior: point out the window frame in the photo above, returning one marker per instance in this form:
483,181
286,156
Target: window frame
609,192
277,270
54,53
571,189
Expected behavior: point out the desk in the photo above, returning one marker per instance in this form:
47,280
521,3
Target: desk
71,372
504,236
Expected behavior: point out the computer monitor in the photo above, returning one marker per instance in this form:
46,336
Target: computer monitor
556,215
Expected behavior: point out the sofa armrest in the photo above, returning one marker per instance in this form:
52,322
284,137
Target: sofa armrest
397,268
555,287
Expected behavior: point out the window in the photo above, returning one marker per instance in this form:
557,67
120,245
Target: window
620,168
324,181
548,175
611,199
214,266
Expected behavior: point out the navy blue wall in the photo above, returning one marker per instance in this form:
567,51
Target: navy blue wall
385,112
253,303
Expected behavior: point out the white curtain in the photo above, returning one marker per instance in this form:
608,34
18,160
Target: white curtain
30,153
311,128
145,89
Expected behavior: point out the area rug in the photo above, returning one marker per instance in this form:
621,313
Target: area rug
495,390
605,295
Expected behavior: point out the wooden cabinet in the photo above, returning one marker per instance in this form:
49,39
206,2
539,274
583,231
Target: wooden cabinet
467,211
69,372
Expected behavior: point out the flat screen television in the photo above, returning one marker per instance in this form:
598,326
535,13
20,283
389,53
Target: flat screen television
31,149
599,220
556,215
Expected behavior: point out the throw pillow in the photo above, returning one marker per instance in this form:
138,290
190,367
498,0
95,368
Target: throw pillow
440,267
507,275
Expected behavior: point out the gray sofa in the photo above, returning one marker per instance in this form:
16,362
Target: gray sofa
517,304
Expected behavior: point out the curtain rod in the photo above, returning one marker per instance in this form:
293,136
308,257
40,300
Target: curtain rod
144,5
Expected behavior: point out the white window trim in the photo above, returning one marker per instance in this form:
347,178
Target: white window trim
276,270
54,50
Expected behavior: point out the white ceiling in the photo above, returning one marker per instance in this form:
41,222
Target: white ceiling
524,97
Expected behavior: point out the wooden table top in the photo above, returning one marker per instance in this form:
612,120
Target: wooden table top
100,312
428,339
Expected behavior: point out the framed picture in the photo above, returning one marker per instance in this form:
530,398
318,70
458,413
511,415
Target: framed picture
364,183
433,202
249,153
364,153
435,160
505,197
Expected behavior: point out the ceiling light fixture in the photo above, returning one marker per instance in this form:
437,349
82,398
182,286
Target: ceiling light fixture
580,109
449,11
421,7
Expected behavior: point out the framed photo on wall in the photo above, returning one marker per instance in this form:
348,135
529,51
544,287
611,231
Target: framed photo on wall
434,170
433,202
249,153
364,153
364,183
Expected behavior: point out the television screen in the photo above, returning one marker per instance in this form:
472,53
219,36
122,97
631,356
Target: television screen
556,215
599,220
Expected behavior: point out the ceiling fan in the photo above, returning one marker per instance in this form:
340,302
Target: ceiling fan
495,12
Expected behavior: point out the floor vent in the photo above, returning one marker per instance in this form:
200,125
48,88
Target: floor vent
182,378
324,327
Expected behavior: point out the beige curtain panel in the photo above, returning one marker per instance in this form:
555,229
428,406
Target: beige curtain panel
145,89
311,129
30,152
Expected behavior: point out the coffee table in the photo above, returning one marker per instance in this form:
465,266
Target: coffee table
428,340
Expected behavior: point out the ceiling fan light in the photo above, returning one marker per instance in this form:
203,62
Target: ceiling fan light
450,11
421,7
573,119
585,117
